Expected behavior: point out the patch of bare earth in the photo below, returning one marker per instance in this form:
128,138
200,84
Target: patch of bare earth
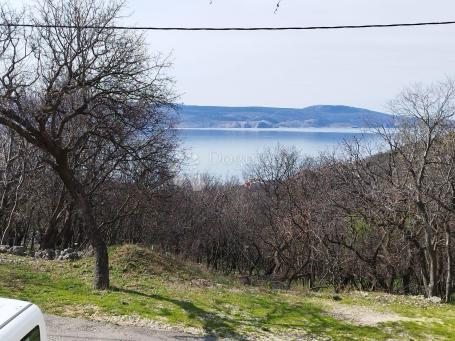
363,316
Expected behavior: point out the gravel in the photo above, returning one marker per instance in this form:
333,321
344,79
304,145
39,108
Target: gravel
71,329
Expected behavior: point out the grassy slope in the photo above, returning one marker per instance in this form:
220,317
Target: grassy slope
148,287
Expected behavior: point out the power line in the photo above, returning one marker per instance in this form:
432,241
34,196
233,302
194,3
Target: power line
288,28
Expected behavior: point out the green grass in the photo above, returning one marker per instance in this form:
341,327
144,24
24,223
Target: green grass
150,287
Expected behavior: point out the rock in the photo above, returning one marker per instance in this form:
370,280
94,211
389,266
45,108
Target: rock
73,256
435,299
89,252
17,250
337,298
48,254
4,248
69,256
200,282
245,280
68,250
39,254
278,285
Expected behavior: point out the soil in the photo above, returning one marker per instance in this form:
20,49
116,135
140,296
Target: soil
360,315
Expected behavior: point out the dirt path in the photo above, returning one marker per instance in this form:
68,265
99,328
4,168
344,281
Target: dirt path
363,316
71,329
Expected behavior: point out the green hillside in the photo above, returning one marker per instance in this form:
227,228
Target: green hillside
150,289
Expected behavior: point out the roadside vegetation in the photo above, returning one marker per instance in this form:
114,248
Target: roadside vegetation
150,289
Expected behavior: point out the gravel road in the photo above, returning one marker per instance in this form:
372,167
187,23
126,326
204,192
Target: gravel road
70,329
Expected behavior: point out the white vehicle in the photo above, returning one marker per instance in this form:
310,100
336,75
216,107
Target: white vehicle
21,321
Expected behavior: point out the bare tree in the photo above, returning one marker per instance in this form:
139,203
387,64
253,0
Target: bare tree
90,97
415,151
288,187
18,162
406,190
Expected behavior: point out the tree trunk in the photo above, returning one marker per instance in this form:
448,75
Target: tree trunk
74,187
32,242
67,232
101,280
430,281
16,199
433,274
448,292
49,239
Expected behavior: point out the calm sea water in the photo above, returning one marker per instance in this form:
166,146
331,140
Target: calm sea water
225,152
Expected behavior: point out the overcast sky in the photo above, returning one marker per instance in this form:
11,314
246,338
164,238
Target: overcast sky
363,68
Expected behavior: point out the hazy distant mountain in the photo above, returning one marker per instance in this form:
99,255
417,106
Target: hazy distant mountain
192,116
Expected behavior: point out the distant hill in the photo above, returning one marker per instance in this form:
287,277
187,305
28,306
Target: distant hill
318,116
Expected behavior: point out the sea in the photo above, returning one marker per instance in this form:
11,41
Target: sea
226,153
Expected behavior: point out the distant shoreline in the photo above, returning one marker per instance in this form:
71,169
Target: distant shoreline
318,116
296,130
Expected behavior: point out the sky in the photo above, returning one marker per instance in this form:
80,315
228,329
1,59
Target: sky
364,68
